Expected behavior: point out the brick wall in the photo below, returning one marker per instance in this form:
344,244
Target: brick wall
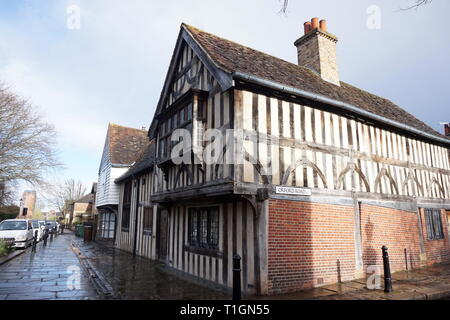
312,244
309,245
398,230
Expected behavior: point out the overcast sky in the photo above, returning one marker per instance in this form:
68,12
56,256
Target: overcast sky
112,69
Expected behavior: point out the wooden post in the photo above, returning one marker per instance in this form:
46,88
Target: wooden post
236,277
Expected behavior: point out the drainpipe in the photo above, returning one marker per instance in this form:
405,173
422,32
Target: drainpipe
336,103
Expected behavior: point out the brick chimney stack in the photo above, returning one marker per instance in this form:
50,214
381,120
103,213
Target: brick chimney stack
447,129
316,50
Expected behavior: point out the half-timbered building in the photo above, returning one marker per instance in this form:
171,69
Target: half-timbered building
314,177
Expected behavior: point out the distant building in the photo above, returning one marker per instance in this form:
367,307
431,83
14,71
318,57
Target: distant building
52,215
447,129
122,147
83,209
27,205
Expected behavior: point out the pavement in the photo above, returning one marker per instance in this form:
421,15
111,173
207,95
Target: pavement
122,276
428,283
52,273
139,278
69,268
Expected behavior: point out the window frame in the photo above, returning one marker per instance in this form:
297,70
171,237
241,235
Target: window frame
147,220
205,232
172,122
186,102
126,205
434,224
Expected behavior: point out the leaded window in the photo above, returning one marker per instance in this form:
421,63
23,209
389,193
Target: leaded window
179,119
148,220
433,222
204,227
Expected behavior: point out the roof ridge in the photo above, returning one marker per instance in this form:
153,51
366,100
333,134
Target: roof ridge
234,57
280,59
241,45
126,127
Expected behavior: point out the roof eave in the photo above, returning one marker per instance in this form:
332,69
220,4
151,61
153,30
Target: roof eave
224,77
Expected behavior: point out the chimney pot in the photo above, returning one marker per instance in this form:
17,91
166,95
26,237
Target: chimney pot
447,129
308,27
315,23
323,25
317,51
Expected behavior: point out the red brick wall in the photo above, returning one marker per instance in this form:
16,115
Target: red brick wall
308,245
436,250
398,230
311,244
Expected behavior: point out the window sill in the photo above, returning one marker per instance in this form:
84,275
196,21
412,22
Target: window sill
204,251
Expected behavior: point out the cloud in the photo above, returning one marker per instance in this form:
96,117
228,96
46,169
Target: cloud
113,68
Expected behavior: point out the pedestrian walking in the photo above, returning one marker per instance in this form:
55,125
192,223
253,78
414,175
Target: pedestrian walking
45,236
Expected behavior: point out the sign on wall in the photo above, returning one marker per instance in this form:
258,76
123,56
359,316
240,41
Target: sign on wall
293,191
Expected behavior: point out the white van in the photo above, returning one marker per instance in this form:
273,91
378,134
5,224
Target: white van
18,231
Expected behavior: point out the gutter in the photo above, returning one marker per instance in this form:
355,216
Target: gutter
118,165
336,103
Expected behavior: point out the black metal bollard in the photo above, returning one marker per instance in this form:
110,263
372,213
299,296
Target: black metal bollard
51,236
406,259
387,270
236,277
56,231
33,249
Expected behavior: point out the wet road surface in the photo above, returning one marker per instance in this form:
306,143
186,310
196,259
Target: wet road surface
53,272
139,278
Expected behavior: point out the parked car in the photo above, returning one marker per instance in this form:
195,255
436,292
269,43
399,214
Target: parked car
37,227
52,226
17,231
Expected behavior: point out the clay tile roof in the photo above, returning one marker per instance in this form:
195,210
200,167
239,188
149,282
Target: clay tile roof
233,57
144,161
125,143
88,198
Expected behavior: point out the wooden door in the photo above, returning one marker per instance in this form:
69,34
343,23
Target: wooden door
162,234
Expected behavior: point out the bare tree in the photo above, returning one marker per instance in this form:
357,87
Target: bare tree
284,5
60,193
416,5
27,142
6,194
